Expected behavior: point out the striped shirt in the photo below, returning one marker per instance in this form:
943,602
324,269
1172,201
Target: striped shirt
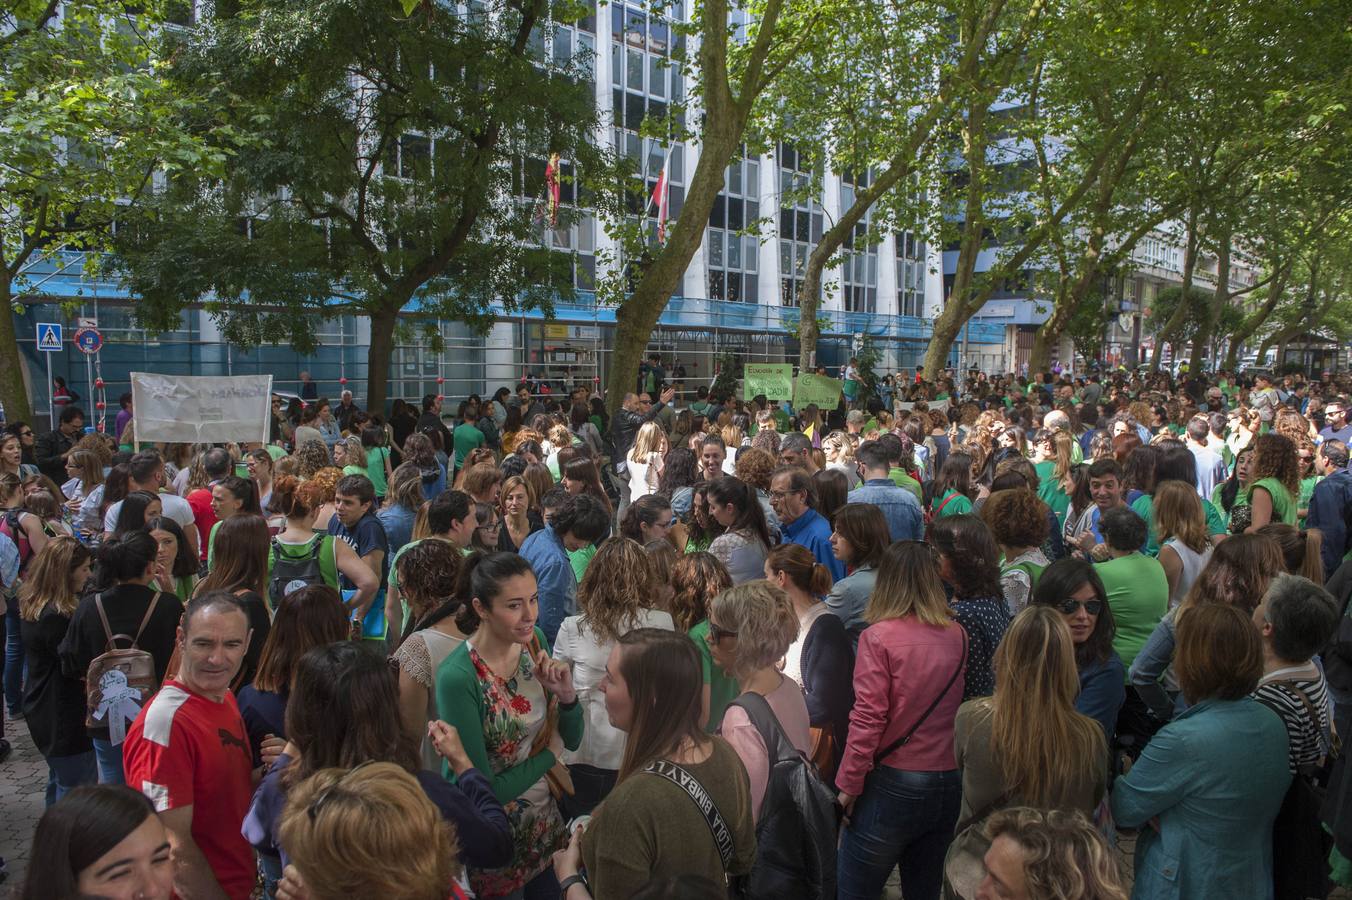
1281,691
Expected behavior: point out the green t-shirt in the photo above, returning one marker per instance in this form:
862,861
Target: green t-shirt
1049,490
465,438
957,506
375,468
579,559
902,480
1145,508
1283,504
353,470
1138,594
722,687
275,452
1306,492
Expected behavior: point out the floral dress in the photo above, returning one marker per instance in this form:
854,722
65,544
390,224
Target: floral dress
515,712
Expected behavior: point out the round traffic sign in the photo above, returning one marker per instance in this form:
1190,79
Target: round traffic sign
89,340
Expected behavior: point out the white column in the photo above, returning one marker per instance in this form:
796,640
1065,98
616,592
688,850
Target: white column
605,131
502,358
934,281
833,294
889,301
768,259
696,281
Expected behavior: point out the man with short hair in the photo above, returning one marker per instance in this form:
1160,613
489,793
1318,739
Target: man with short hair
346,408
901,509
793,498
901,459
467,435
1336,426
854,421
1331,505
450,517
52,448
216,463
580,522
188,751
796,450
712,454
1137,588
1210,466
145,472
632,414
1105,489
355,523
430,420
309,391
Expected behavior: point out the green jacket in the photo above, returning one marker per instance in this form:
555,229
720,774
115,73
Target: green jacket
460,701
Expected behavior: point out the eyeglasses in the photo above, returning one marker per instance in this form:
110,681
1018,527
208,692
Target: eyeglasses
1070,605
717,634
780,495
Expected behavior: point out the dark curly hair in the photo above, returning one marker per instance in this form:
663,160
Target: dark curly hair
1016,517
974,559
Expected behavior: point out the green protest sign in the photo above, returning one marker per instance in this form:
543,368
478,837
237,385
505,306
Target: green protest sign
818,389
774,380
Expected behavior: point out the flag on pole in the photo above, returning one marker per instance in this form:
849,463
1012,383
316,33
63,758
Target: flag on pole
660,196
552,186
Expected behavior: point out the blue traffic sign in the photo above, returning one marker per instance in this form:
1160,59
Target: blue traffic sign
88,340
49,337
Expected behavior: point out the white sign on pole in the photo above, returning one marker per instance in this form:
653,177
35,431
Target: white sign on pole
201,408
49,337
86,322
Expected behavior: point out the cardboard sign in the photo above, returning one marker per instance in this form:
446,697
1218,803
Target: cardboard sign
774,380
818,389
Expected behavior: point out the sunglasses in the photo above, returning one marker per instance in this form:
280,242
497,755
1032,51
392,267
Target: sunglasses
717,634
1070,605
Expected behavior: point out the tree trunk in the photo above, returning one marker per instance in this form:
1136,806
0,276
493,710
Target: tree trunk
807,312
1211,311
1314,315
383,319
12,391
1166,334
1049,332
1254,321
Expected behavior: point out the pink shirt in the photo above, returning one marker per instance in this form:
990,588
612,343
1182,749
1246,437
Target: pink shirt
791,710
901,666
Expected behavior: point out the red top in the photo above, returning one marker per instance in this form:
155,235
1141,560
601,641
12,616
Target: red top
901,666
186,750
203,516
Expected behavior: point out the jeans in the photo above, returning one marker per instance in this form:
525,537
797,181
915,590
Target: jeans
271,867
590,786
67,772
901,818
110,762
14,660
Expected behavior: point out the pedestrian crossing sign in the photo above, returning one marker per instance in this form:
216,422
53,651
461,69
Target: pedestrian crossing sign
49,336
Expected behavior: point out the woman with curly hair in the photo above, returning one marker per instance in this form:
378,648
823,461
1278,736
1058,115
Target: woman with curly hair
1018,520
611,602
969,562
1047,854
311,456
1275,481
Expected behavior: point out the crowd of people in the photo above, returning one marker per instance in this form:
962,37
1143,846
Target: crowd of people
962,631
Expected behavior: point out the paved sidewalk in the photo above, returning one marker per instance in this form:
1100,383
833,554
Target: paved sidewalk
23,781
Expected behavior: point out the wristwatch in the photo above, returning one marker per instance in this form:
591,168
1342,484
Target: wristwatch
571,880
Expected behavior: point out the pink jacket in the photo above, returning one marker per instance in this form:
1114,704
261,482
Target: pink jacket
901,666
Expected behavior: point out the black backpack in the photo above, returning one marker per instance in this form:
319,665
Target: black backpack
291,573
796,834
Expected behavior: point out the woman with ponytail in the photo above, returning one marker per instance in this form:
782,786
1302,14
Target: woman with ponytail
821,658
1301,549
745,541
298,500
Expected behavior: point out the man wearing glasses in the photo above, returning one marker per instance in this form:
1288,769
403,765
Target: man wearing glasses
1336,427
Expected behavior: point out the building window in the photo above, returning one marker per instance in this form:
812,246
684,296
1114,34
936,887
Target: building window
800,224
732,256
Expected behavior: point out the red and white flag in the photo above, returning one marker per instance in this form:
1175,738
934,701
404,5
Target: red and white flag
661,193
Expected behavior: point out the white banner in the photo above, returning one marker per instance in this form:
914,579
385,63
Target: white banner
206,409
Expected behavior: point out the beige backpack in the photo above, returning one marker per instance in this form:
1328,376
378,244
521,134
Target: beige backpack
119,682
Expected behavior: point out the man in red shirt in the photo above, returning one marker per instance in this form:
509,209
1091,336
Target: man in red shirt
217,464
188,752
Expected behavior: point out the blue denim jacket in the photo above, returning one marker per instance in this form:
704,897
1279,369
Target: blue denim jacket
905,518
554,579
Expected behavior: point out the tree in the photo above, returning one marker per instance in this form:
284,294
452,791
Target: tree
732,75
87,126
396,162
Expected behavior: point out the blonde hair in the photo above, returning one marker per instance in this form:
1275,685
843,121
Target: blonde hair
369,832
1178,513
838,448
1064,856
1037,737
48,578
510,484
764,620
649,440
908,584
617,582
732,437
354,452
1061,458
